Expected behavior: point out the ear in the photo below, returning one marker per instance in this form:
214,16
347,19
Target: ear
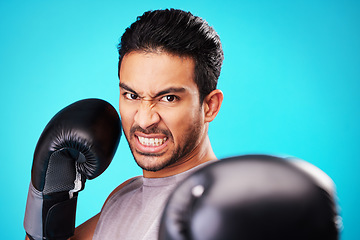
212,104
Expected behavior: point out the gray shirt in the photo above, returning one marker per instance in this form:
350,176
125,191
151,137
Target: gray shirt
134,212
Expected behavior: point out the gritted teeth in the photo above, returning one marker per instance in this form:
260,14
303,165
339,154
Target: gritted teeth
152,141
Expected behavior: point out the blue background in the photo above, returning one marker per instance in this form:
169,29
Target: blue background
290,78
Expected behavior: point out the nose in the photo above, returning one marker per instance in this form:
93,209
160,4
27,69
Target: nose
146,116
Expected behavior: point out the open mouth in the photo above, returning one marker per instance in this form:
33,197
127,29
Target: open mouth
152,142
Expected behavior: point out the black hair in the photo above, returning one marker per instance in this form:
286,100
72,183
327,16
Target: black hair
179,33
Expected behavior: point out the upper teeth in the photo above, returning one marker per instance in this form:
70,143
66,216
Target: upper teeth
152,141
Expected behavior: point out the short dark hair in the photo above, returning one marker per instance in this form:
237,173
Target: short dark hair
180,33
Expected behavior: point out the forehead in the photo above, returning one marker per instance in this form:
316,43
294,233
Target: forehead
150,72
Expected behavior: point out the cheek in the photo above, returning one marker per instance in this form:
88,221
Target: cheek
181,121
126,117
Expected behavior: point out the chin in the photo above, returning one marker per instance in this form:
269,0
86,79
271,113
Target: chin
151,167
152,163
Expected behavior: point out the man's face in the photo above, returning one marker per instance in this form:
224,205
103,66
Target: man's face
162,118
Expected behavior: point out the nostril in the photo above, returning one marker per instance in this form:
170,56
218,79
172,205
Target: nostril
146,116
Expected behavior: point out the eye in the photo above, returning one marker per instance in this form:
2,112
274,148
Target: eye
131,96
169,98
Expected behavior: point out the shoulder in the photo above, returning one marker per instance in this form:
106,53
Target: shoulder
87,229
121,186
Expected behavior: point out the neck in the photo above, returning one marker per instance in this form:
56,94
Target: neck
201,154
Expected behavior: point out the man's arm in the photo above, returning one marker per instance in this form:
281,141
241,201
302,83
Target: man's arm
86,230
77,144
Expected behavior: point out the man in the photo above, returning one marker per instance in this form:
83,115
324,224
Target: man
169,64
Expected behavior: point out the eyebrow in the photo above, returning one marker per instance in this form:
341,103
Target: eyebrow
126,87
163,92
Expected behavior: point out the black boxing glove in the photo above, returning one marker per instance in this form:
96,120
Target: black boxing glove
77,144
251,197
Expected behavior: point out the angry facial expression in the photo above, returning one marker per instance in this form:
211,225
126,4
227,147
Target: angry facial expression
160,110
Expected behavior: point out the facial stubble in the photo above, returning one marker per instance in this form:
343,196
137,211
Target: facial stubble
188,143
